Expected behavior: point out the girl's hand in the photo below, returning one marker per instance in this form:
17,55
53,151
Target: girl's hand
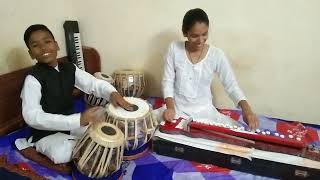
251,119
168,114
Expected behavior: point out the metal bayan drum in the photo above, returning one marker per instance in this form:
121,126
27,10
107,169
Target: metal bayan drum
129,83
97,101
138,126
99,153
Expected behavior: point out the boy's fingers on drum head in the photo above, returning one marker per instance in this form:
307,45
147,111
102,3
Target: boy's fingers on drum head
130,107
127,106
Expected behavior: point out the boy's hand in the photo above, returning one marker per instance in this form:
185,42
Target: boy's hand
117,100
92,114
168,114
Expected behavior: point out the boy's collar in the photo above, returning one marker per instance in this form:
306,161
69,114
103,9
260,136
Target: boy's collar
47,66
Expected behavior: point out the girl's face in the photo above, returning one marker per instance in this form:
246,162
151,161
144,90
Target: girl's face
197,35
43,48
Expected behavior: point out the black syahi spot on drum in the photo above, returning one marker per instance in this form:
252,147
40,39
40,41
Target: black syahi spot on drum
104,75
108,130
134,108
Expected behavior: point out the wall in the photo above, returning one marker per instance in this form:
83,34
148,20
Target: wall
16,16
272,45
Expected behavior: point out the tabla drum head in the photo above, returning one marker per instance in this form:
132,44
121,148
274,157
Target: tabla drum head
140,106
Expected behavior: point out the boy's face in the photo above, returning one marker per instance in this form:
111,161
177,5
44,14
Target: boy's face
43,48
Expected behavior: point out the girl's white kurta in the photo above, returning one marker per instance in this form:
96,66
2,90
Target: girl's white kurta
190,84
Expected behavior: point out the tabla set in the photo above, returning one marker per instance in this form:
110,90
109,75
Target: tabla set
99,152
138,125
91,99
128,83
123,135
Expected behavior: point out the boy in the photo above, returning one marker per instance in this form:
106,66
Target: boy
47,98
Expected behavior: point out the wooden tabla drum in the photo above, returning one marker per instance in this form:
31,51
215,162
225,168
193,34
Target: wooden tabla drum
129,83
97,101
99,152
138,126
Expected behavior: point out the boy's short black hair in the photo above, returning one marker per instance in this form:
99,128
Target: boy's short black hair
33,28
193,16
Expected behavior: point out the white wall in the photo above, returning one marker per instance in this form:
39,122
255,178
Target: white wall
16,16
272,45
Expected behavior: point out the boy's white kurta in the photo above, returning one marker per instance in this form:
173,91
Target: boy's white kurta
58,147
190,84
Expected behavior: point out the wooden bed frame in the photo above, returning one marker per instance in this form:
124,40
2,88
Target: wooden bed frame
10,88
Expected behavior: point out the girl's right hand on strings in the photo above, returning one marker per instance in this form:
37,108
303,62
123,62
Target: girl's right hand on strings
168,114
